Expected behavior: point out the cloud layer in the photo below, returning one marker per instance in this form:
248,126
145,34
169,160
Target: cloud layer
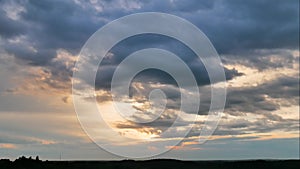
258,42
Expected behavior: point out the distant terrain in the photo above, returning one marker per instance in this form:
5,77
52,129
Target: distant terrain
29,163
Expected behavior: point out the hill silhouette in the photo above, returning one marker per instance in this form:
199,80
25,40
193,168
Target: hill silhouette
30,163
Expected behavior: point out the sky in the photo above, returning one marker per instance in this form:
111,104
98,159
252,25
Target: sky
258,43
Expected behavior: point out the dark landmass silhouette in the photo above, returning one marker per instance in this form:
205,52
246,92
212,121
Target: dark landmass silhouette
30,163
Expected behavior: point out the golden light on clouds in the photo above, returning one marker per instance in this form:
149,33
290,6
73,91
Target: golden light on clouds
8,146
254,76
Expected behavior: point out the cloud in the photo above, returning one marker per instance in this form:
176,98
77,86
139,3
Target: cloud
233,25
45,30
264,100
241,26
8,146
126,47
23,140
258,42
42,29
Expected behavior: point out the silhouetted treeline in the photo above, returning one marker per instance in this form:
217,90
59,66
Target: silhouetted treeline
30,163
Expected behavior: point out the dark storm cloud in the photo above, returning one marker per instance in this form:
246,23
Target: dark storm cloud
44,27
231,25
47,26
237,25
254,99
9,27
264,59
190,6
258,99
130,45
